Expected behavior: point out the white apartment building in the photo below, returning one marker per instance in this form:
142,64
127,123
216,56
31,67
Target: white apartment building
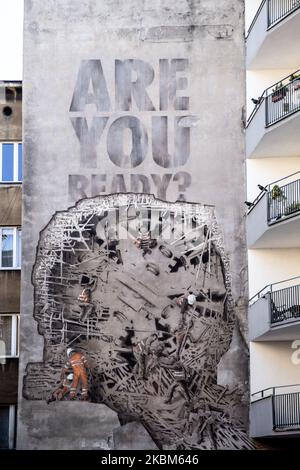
273,219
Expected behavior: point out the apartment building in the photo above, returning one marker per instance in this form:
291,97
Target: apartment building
273,219
10,254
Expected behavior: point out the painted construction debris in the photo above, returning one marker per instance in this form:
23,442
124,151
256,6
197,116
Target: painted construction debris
136,292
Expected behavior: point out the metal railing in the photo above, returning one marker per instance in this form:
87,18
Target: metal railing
280,9
255,17
272,391
285,304
286,411
282,99
283,201
277,10
285,406
270,288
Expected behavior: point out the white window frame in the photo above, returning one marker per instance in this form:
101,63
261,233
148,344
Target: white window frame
12,409
15,163
12,426
15,230
15,335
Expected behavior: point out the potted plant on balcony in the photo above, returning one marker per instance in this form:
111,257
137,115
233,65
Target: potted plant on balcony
279,92
295,78
276,196
277,193
297,84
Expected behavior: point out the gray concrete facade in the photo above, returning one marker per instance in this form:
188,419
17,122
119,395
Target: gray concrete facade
129,98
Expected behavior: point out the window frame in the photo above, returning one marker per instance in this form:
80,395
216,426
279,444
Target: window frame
15,163
12,413
15,335
16,247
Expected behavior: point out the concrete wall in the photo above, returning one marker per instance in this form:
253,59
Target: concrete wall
267,170
259,318
269,266
258,33
273,364
65,164
257,221
261,418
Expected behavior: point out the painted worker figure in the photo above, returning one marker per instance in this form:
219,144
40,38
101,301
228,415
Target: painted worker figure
181,333
179,375
79,365
156,354
85,298
186,302
141,349
201,422
145,242
138,349
63,390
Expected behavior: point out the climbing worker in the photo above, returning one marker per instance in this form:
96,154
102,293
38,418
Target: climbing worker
63,390
85,298
180,383
79,365
191,299
139,352
145,242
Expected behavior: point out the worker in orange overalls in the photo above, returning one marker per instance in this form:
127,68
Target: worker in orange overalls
79,365
63,390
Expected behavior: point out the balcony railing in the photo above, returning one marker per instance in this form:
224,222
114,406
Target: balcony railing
283,201
281,99
277,10
284,303
286,406
286,410
280,9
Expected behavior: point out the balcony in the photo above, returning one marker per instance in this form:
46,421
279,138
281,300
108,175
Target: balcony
274,35
275,412
273,219
274,313
273,127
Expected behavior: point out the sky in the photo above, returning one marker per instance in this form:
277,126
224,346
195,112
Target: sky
11,39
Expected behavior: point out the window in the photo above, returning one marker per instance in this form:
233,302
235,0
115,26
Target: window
7,426
9,336
11,156
10,248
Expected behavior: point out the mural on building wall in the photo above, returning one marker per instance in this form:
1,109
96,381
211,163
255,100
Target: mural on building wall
132,297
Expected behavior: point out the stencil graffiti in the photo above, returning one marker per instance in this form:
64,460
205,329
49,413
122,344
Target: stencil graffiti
144,91
132,296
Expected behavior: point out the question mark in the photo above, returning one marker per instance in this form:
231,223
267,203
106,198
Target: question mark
184,181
